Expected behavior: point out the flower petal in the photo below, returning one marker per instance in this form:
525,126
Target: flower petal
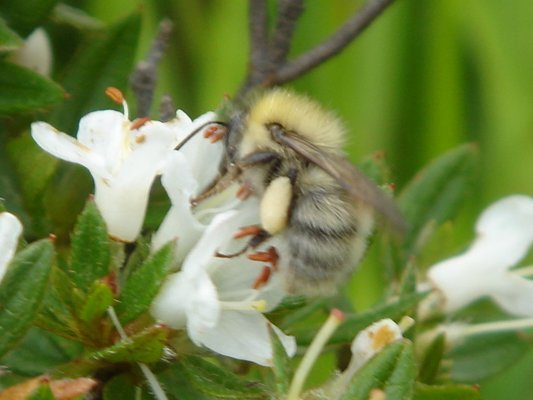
244,335
67,148
515,295
10,230
122,206
187,300
106,134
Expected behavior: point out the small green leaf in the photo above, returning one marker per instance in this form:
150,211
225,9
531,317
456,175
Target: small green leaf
436,192
23,154
22,90
146,347
106,60
90,249
98,299
75,17
43,392
482,356
400,384
39,352
280,363
22,291
178,385
143,284
446,392
9,40
432,358
214,381
392,370
119,387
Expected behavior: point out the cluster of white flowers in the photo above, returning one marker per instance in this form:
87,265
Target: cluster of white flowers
213,298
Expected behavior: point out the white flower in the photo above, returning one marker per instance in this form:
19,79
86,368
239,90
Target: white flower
365,345
187,172
123,160
10,230
372,340
504,235
215,298
35,53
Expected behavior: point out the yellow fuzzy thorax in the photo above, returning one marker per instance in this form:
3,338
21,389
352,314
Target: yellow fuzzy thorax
296,113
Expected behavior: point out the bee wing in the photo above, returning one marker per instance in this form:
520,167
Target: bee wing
347,175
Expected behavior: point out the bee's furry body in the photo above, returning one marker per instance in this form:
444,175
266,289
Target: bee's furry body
324,235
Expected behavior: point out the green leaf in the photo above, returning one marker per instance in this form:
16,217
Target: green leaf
146,347
435,193
25,16
75,17
23,154
22,90
482,356
39,352
446,392
432,358
90,249
106,60
385,371
280,363
98,299
119,387
9,40
22,291
353,323
143,284
178,385
214,381
43,392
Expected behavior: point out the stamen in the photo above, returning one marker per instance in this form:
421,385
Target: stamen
244,192
114,94
312,353
138,122
214,133
255,305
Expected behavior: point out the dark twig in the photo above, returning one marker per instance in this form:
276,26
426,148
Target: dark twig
334,44
258,31
143,80
167,110
288,14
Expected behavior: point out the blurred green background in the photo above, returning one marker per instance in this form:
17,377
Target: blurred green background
427,76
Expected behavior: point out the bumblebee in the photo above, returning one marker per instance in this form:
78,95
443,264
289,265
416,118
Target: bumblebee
286,149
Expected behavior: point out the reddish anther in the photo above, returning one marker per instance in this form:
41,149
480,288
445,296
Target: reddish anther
263,277
244,192
252,230
270,256
114,94
214,133
138,122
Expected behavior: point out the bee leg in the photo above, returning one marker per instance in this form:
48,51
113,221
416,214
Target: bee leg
258,234
271,256
263,277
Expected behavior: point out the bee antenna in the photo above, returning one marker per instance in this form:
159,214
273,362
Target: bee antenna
199,129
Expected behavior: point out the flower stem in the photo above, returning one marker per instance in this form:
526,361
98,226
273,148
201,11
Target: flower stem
318,343
498,326
154,384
